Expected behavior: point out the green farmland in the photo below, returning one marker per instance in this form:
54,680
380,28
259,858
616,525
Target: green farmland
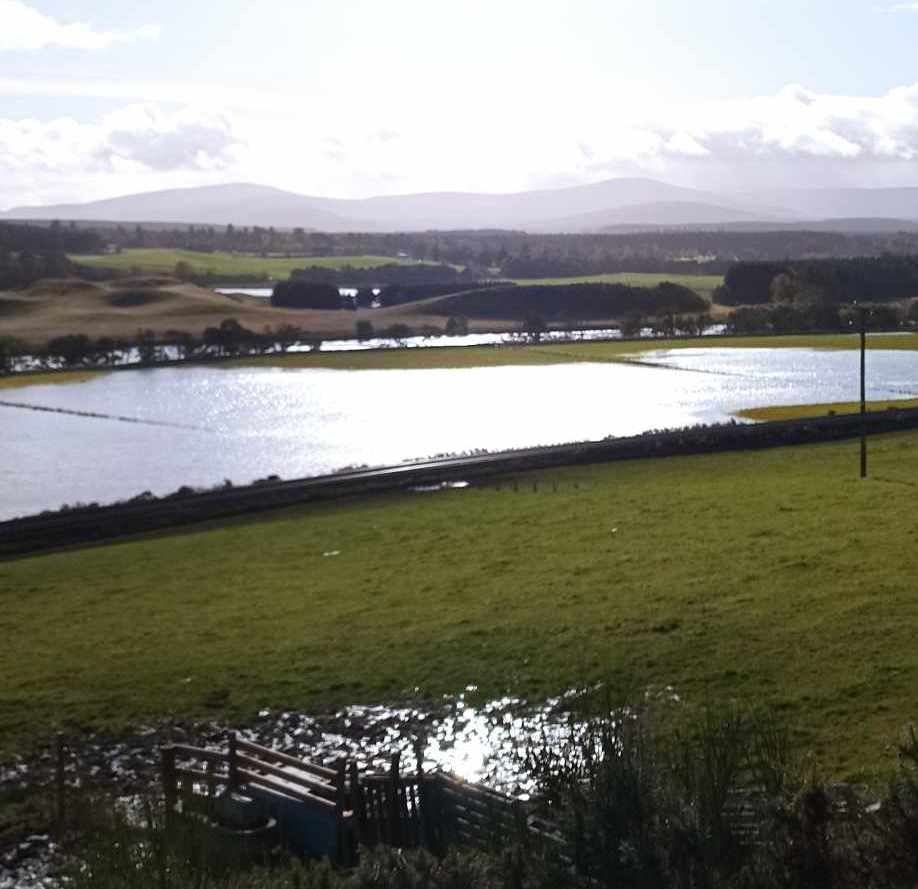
151,261
559,353
773,577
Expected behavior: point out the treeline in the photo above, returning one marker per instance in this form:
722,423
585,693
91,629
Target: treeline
571,302
228,339
303,293
818,317
520,254
394,273
863,278
30,252
501,300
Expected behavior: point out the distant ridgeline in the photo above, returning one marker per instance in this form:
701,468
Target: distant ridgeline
834,281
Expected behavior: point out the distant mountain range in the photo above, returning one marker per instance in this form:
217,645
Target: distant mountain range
612,205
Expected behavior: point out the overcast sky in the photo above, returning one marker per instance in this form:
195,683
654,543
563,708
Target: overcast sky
350,98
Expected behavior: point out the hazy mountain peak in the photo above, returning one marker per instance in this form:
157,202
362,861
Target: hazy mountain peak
591,207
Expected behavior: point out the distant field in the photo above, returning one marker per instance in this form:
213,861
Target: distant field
220,263
799,411
561,353
770,577
50,378
701,284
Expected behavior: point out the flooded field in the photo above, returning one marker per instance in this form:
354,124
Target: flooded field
159,429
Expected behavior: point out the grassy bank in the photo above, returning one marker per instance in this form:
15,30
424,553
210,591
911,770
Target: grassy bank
153,261
801,411
766,577
559,353
53,377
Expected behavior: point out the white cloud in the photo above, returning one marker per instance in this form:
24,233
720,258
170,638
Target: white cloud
25,28
185,134
136,139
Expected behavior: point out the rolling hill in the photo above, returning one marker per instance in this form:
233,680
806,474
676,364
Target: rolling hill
611,204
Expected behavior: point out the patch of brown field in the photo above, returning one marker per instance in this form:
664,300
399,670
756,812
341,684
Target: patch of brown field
61,287
118,309
159,303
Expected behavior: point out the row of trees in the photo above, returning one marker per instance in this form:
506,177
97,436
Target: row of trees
320,288
520,254
31,252
566,302
816,316
228,339
833,281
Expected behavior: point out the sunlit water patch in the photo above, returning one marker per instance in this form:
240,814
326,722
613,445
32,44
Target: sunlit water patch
167,427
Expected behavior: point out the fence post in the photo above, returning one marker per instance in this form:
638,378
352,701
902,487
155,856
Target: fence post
341,853
423,796
232,765
60,786
357,803
395,809
211,785
168,770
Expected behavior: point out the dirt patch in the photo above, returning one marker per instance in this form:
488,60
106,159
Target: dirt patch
62,287
149,281
10,308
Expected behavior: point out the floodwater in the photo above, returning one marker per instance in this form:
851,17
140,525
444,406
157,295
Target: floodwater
260,292
158,429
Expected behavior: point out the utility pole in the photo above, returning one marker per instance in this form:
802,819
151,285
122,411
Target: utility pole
863,319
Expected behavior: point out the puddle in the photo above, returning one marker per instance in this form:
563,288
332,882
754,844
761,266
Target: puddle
483,742
440,486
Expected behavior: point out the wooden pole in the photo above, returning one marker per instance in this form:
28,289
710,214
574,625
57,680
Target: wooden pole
232,765
423,798
394,806
168,770
863,314
211,783
357,804
341,852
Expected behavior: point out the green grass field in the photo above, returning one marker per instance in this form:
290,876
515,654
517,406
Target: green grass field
149,261
490,356
701,284
53,377
772,577
801,411
559,353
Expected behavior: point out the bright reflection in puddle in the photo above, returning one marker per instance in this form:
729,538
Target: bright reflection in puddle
485,743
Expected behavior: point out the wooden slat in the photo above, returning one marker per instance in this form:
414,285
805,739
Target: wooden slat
312,784
270,783
484,809
280,756
190,772
458,786
205,753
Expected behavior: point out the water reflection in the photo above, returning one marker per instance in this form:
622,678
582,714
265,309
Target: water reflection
486,743
248,423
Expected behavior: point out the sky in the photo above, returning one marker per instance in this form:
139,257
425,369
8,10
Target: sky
352,98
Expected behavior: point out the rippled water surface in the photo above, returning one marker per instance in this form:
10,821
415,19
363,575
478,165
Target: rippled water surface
200,425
